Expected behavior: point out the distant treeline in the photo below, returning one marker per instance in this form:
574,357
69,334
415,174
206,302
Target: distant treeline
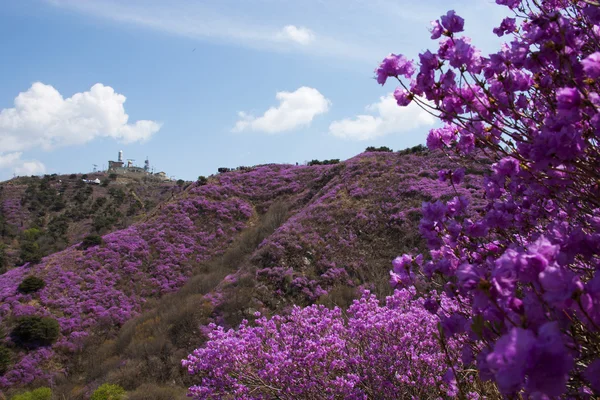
411,150
383,149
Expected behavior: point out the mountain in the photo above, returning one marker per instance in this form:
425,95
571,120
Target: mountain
130,306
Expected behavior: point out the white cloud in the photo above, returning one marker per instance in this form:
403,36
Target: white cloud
295,109
13,162
300,35
385,118
28,168
9,160
42,118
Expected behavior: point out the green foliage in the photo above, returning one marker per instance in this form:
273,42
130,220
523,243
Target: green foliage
383,149
414,150
30,252
105,182
32,234
108,391
118,195
105,221
73,176
84,176
33,330
43,393
6,229
31,284
112,176
202,180
324,162
5,359
58,226
83,194
91,241
58,205
180,182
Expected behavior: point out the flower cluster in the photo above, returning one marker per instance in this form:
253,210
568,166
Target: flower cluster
528,265
378,351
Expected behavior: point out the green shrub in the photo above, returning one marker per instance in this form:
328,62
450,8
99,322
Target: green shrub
180,182
112,176
108,391
32,234
383,149
202,180
324,162
30,252
35,330
31,284
5,359
91,241
42,393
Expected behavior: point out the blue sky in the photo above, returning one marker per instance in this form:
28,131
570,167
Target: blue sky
195,85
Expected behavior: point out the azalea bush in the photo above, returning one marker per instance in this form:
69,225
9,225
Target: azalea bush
526,268
374,351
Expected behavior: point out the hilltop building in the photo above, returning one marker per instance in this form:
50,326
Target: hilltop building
119,167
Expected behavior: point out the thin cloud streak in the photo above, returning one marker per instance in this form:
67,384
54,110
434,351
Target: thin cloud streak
200,22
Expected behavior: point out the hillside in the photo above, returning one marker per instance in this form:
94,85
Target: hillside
258,239
40,216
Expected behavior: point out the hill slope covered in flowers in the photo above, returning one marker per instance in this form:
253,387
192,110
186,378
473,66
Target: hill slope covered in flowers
252,241
42,215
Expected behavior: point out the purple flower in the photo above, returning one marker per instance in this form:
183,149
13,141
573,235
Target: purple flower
431,305
592,374
510,359
402,263
551,362
458,175
429,62
559,284
402,96
508,166
505,272
462,53
591,65
509,3
453,324
394,65
568,98
436,29
452,22
441,137
508,25
468,276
